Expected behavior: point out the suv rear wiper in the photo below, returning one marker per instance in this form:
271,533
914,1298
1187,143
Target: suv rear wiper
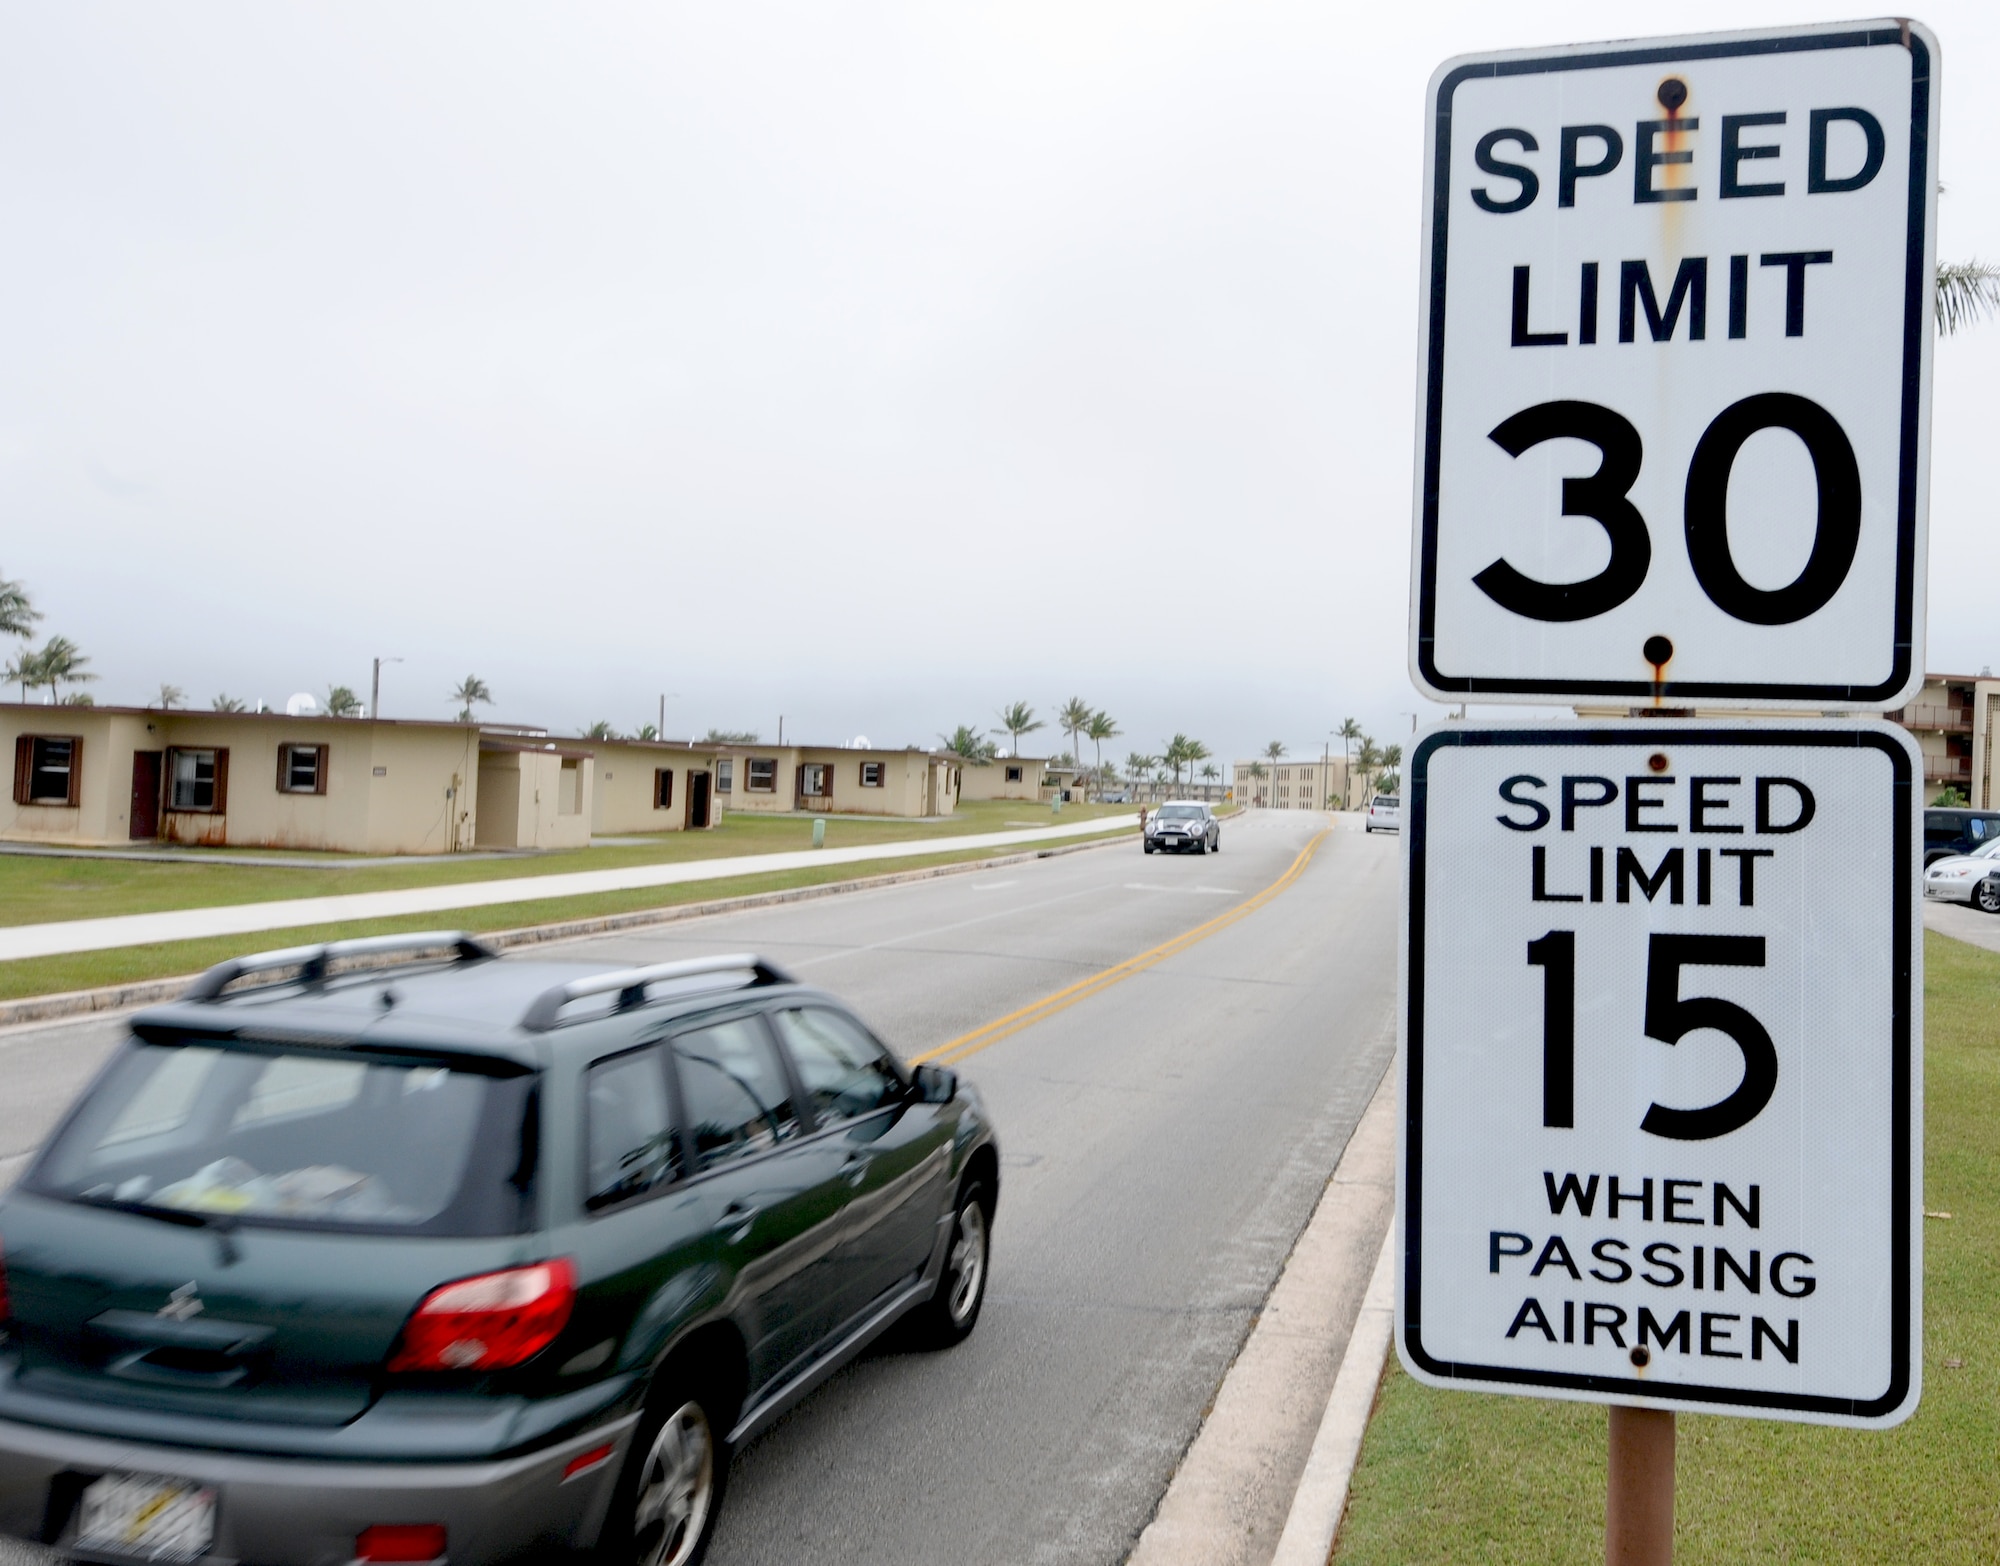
222,1225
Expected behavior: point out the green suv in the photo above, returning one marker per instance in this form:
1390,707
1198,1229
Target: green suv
392,1250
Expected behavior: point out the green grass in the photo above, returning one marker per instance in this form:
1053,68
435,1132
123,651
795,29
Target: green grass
1471,1477
126,964
35,889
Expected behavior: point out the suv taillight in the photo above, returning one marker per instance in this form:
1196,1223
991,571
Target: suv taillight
490,1322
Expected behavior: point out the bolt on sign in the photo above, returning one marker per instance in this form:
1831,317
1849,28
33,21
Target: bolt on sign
1662,1066
1676,368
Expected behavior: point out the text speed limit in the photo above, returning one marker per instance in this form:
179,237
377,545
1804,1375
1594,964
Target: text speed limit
1660,1132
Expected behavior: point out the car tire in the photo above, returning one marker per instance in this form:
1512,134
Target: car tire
1986,895
948,1317
1149,848
664,1510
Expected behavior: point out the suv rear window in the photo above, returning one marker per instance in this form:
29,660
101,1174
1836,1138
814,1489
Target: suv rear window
301,1138
1388,801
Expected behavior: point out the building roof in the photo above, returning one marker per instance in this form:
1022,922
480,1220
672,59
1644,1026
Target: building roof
208,713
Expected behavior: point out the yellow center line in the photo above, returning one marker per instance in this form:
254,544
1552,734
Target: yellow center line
969,1044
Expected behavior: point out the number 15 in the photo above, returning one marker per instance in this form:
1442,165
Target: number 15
1670,1017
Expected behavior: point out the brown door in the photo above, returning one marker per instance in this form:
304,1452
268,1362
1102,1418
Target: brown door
145,816
697,799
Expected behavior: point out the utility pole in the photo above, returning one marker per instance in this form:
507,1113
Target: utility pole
781,728
375,688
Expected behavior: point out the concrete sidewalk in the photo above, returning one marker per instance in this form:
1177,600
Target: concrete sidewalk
188,924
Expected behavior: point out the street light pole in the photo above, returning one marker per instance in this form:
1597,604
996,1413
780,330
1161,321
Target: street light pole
375,688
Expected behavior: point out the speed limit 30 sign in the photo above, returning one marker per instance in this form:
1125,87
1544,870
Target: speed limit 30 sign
1661,1054
1675,370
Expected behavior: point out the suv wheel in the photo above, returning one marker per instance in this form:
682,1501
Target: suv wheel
953,1311
1986,895
663,1513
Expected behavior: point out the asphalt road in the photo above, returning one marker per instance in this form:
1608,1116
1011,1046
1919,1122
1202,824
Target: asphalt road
1163,1143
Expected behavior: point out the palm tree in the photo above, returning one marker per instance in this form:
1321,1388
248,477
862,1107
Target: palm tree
1179,753
647,732
966,743
1966,290
341,702
1015,721
1392,761
1367,762
25,670
1137,767
1349,731
729,737
170,697
61,659
1102,726
227,704
1209,774
1074,720
471,689
1256,771
17,613
1196,751
600,730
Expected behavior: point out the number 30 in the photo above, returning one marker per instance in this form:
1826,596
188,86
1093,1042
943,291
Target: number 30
1603,497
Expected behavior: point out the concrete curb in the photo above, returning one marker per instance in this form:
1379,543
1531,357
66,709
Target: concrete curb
146,992
1321,1501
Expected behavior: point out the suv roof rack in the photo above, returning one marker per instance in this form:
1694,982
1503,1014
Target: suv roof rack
631,984
313,962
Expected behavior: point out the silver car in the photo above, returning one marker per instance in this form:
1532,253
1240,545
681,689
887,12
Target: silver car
1183,826
1385,814
1966,878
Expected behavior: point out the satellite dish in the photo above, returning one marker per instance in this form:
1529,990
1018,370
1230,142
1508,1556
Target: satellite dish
859,742
302,705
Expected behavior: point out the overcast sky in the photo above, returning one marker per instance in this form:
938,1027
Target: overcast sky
874,365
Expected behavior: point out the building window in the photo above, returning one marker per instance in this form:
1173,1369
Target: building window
760,775
1013,774
47,769
871,774
301,769
663,787
198,780
725,770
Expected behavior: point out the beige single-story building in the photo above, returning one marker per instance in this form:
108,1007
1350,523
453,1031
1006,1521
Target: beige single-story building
1008,777
651,786
534,796
834,780
113,776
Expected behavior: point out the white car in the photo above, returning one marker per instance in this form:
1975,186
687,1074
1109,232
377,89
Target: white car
1385,814
1966,878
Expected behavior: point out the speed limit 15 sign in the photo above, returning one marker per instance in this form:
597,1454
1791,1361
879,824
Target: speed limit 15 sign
1675,370
1662,1066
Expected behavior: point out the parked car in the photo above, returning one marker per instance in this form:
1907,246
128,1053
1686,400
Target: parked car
1949,831
1385,814
447,1255
1183,825
1966,878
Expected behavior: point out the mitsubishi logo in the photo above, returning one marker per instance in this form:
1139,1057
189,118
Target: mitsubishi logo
183,1304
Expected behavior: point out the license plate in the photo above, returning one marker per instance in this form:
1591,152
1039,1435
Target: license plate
147,1517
